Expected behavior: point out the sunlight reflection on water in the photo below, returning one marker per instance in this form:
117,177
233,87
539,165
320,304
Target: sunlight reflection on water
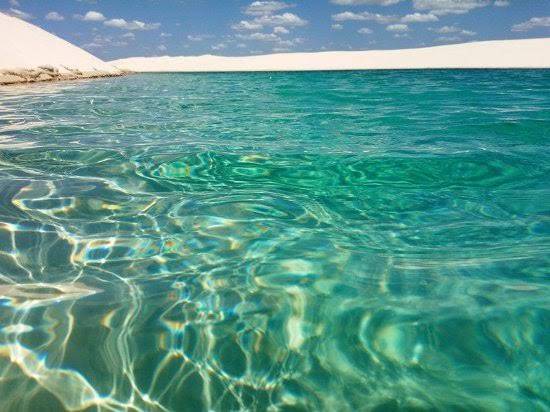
291,241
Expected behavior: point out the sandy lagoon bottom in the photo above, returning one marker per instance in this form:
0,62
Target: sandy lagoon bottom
276,241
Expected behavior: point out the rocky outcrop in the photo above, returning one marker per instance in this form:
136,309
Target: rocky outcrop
30,54
49,73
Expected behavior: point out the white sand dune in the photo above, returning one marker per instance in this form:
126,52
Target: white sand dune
30,53
530,53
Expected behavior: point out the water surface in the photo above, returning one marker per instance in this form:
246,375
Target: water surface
348,241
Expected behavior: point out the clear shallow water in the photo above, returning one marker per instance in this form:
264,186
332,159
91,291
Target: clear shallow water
316,241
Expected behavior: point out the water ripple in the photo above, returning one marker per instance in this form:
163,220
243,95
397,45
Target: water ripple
329,241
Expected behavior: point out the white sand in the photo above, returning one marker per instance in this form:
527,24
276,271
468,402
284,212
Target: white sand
24,46
26,49
531,53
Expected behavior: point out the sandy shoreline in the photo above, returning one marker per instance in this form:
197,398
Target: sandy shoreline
529,53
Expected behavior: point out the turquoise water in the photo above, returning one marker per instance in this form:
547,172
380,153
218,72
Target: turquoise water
347,241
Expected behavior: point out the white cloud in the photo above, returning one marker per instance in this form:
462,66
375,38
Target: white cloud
259,37
264,16
364,16
399,28
91,16
419,18
271,38
270,20
259,8
501,3
453,29
290,43
54,16
199,37
446,29
364,30
92,45
532,23
443,7
448,39
165,34
162,47
246,25
131,25
129,35
218,46
103,41
20,14
281,30
117,23
337,26
361,2
285,19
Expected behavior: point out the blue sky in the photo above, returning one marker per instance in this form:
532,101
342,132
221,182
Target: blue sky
121,28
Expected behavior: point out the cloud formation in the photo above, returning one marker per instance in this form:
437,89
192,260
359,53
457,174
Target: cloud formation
419,18
398,28
281,30
365,2
364,30
264,13
270,20
263,25
364,16
246,25
199,37
54,16
532,23
260,8
259,36
443,7
100,41
119,23
90,16
453,29
285,19
131,25
20,14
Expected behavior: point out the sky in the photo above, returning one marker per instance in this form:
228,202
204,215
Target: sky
113,29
